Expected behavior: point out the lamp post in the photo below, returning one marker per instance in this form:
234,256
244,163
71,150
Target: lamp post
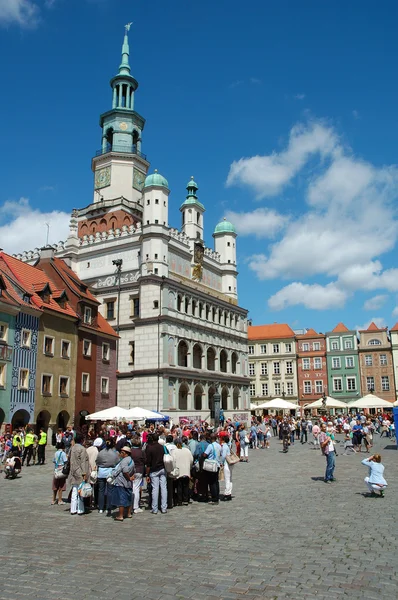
216,407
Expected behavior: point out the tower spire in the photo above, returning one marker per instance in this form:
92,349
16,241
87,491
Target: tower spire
124,68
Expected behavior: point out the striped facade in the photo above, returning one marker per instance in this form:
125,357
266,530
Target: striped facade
24,358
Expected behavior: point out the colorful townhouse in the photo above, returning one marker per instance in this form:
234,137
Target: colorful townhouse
376,363
344,381
312,372
64,355
272,362
19,393
96,340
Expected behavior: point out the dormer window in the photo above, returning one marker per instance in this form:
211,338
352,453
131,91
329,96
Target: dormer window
87,315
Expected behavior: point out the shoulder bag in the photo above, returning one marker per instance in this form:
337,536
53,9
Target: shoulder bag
232,458
59,468
211,465
168,461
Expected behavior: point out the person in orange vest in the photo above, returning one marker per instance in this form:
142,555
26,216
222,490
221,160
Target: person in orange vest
41,450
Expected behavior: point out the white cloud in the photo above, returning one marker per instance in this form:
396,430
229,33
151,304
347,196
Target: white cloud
378,321
312,296
262,222
376,302
268,175
347,222
23,227
24,13
355,114
299,96
255,80
395,312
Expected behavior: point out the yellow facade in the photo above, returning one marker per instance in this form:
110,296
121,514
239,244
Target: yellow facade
56,371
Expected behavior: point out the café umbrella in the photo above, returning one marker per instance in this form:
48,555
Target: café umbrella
115,413
370,401
330,403
279,404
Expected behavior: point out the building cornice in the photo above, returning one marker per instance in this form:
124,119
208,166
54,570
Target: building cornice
175,372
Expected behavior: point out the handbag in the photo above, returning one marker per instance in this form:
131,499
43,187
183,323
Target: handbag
58,469
93,477
85,490
211,465
168,461
247,441
232,458
221,474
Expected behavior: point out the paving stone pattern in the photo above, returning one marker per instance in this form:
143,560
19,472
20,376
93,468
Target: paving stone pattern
286,534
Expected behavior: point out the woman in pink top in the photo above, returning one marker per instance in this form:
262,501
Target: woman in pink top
315,433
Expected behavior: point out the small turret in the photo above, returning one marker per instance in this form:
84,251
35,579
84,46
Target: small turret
225,244
155,225
192,213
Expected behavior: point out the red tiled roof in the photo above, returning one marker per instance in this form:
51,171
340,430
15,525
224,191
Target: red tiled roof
104,326
9,280
79,290
34,280
273,331
340,328
395,328
373,327
311,333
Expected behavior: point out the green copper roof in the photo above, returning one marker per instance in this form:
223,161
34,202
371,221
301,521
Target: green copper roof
225,227
192,199
156,179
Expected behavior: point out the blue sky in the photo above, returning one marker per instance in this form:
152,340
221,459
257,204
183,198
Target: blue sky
285,112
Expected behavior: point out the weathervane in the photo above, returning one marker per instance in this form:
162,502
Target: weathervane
127,27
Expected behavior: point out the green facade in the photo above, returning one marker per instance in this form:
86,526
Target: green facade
344,381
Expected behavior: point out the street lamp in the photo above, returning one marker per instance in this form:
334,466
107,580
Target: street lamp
324,398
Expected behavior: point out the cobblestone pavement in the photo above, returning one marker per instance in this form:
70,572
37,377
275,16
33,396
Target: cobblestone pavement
285,535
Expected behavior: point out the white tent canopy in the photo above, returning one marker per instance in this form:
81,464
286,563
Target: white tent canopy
115,413
370,401
279,403
253,406
137,413
330,403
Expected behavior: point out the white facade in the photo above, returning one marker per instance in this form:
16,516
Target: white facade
173,301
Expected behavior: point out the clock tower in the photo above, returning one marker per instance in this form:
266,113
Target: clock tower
120,167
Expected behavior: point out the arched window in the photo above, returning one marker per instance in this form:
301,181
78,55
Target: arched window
210,398
183,397
103,225
224,398
207,312
374,343
235,399
186,304
198,393
223,361
219,316
200,310
234,362
135,140
109,139
179,302
211,359
193,307
182,354
197,356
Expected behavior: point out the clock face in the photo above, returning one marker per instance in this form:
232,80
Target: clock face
123,126
102,178
138,179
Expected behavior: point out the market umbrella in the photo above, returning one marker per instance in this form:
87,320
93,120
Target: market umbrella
137,413
330,403
370,401
279,403
253,406
115,413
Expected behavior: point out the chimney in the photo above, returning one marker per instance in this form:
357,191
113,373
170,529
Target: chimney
47,253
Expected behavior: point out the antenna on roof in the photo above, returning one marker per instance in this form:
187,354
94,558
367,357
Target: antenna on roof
48,231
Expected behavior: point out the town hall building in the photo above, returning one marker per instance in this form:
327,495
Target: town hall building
172,300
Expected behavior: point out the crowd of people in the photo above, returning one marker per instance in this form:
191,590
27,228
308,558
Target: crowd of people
110,466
